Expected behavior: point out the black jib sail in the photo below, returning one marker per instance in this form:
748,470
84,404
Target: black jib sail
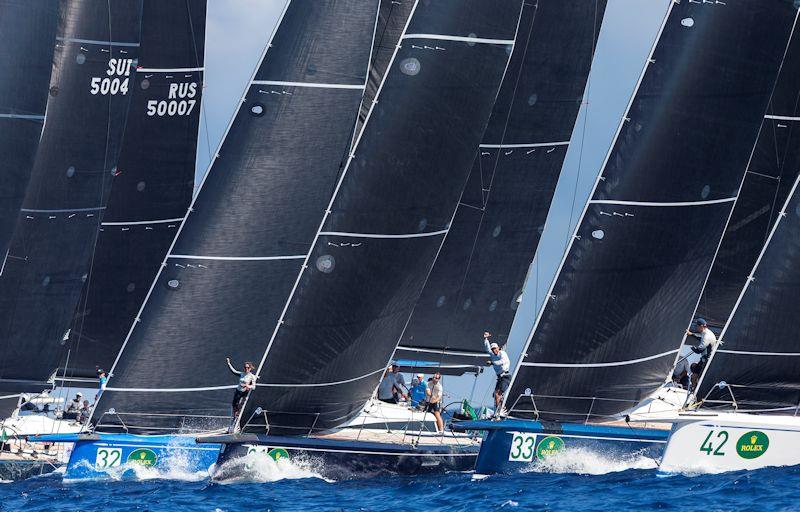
773,167
239,250
476,283
27,40
48,260
154,182
632,275
758,361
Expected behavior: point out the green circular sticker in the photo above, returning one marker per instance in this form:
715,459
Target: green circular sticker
752,445
143,456
278,453
548,446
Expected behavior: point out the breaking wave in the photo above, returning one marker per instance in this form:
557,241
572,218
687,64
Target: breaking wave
585,461
261,468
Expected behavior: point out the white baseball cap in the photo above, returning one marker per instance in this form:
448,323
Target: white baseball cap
494,345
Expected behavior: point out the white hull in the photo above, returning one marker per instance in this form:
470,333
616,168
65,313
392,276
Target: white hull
703,442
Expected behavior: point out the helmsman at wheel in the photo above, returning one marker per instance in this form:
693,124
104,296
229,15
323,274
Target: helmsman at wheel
502,367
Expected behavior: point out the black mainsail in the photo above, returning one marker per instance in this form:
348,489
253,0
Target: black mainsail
154,184
772,170
633,272
476,283
759,358
237,254
49,256
27,41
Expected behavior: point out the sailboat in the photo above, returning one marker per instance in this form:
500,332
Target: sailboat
361,262
89,61
745,416
27,42
628,284
94,57
476,283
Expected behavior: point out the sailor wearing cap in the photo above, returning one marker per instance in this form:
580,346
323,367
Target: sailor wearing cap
498,359
74,406
708,341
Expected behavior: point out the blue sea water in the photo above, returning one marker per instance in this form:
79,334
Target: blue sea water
610,487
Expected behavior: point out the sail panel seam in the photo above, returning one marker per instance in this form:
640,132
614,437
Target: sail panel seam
308,84
22,116
655,203
752,353
600,365
62,210
782,118
445,37
235,258
532,145
96,41
168,70
137,222
379,235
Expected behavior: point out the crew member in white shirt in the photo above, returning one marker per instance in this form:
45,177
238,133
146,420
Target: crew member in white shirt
498,359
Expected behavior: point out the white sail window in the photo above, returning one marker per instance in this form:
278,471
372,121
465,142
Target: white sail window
598,234
532,99
326,263
80,58
496,231
70,171
440,301
705,192
687,22
410,66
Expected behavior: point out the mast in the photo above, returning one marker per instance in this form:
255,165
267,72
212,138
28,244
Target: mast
634,269
772,170
237,253
154,185
476,283
49,257
27,41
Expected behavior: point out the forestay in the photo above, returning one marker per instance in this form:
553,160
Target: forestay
49,258
226,278
27,40
773,168
476,283
154,183
633,272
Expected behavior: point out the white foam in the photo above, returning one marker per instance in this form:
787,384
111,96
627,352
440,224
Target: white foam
509,503
585,461
177,466
261,468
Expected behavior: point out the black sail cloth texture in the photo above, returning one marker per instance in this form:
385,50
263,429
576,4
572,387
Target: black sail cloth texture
341,311
49,257
392,18
388,218
476,283
154,184
759,357
628,286
772,170
239,252
27,41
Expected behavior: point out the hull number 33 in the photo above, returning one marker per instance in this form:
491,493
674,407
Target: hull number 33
523,447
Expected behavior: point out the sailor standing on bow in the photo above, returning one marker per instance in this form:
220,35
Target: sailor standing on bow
247,383
708,341
498,359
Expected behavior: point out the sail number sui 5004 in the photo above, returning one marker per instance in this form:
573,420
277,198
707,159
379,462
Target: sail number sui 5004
113,83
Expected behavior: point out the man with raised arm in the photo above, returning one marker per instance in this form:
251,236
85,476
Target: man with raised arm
498,359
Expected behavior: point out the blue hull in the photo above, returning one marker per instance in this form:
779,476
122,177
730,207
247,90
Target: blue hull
513,445
345,459
123,455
